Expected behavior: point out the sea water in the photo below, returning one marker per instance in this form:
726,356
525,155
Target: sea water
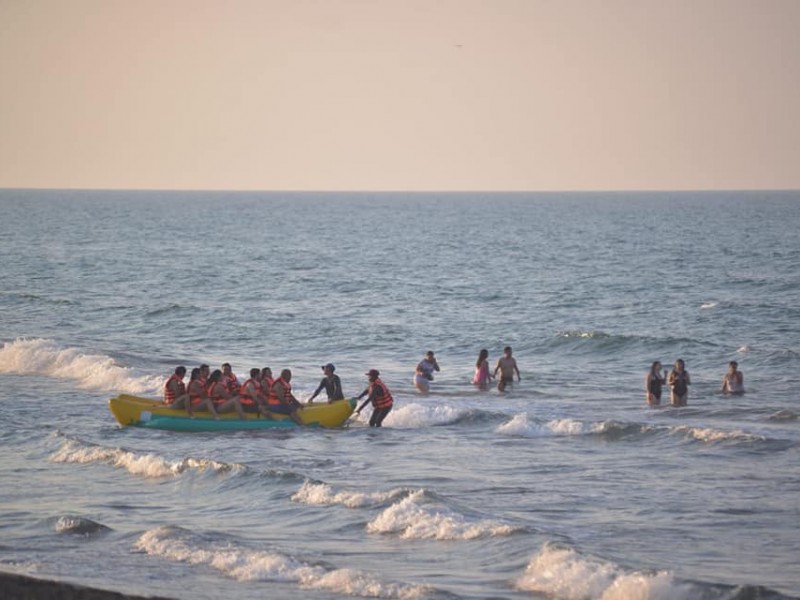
568,486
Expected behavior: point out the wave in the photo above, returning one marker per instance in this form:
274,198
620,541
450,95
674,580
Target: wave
91,371
246,564
415,416
577,333
169,309
26,297
783,415
78,526
564,573
712,436
145,465
414,521
522,426
321,494
580,341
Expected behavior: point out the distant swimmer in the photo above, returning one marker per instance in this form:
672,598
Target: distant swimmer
424,372
653,382
378,394
507,365
679,382
330,383
733,382
482,375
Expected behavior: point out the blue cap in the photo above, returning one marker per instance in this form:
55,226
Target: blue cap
329,366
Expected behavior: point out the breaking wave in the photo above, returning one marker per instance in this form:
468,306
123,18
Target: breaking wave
91,371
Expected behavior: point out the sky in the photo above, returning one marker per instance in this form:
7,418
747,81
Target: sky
400,95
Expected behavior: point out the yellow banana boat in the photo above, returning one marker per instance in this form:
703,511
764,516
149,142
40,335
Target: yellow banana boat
154,414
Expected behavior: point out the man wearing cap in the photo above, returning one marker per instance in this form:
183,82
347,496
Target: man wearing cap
331,383
378,394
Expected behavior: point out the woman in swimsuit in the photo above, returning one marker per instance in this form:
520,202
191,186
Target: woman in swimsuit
733,382
679,383
652,384
482,375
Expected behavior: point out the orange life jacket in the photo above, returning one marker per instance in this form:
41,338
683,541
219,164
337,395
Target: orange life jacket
194,397
231,383
169,395
244,397
384,400
210,390
273,399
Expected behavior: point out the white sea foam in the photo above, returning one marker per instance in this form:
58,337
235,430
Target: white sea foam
414,416
412,520
145,465
321,494
583,334
708,305
521,426
708,435
91,371
565,574
743,349
246,564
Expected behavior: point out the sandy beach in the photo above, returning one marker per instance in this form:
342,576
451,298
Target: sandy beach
22,587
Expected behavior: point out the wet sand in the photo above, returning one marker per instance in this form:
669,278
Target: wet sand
22,587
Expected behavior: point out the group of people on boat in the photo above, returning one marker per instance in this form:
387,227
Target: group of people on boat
679,381
220,391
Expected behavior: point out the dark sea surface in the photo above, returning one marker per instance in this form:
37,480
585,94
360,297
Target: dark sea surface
566,487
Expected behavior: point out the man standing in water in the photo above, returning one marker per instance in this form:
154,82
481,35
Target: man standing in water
330,383
379,395
507,365
423,375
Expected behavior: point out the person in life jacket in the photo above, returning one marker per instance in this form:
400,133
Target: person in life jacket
196,397
174,388
251,394
266,380
378,394
229,379
205,373
281,400
222,399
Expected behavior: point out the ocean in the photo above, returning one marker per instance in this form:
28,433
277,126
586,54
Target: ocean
568,486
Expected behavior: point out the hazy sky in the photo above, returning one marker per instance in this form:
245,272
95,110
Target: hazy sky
400,94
